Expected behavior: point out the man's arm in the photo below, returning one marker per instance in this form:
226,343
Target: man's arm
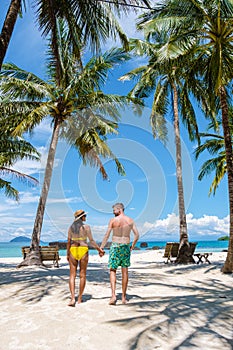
136,236
92,241
107,234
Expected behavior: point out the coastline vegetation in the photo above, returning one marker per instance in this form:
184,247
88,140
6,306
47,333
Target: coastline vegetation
223,238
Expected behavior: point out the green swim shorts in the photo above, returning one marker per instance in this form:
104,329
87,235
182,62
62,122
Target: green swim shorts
119,255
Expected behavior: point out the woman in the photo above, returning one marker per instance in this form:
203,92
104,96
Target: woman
77,253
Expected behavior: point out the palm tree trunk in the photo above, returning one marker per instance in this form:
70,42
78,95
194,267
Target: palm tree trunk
228,265
8,27
184,255
182,214
33,258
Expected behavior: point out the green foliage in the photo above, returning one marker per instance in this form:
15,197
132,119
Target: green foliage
87,115
223,238
11,150
90,22
158,77
215,146
197,38
204,28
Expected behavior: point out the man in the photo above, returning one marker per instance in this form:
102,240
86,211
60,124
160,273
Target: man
120,250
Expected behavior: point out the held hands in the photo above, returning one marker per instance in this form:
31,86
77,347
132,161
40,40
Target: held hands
101,252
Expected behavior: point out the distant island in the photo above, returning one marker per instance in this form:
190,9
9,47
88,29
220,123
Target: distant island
223,238
21,239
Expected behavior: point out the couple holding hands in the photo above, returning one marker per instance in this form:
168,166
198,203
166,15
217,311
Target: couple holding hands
119,254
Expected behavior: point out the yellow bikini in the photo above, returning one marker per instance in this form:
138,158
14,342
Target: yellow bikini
78,252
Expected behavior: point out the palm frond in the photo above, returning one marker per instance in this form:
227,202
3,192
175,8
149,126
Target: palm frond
9,190
18,175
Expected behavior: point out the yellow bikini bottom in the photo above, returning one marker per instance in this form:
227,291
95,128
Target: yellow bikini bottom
78,252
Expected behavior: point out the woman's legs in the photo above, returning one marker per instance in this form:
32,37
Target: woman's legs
82,276
73,271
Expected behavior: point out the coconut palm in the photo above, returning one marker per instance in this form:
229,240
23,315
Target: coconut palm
8,27
12,150
209,26
214,145
79,111
92,21
171,87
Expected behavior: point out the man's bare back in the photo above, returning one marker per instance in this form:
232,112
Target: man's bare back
121,227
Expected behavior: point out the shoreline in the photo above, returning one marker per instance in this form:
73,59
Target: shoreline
158,257
8,249
170,306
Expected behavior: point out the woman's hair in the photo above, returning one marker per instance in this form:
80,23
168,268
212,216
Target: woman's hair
77,224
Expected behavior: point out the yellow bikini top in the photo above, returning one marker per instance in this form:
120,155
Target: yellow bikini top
75,231
78,238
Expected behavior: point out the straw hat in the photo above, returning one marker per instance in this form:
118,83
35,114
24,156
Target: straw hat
79,213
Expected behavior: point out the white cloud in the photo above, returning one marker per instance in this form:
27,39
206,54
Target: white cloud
205,227
6,205
65,200
30,167
43,129
208,225
20,231
25,198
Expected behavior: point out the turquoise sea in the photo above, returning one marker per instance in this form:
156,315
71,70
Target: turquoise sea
13,250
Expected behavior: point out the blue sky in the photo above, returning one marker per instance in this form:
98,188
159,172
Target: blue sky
148,190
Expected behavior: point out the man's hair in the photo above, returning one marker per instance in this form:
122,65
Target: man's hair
119,205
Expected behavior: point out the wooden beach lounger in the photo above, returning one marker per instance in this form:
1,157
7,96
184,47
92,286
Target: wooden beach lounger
171,251
47,253
172,248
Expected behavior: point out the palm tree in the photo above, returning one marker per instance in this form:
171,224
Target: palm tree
8,27
214,144
209,26
171,87
12,150
92,21
79,111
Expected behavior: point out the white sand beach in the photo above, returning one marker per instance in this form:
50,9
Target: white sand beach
170,307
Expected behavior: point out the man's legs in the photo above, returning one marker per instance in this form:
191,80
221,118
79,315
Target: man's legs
124,271
113,286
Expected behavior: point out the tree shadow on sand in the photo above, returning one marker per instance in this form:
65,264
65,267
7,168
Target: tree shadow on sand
193,314
200,317
32,284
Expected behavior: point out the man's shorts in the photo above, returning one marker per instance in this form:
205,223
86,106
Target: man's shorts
119,255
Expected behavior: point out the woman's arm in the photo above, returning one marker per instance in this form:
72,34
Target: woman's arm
68,245
92,241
